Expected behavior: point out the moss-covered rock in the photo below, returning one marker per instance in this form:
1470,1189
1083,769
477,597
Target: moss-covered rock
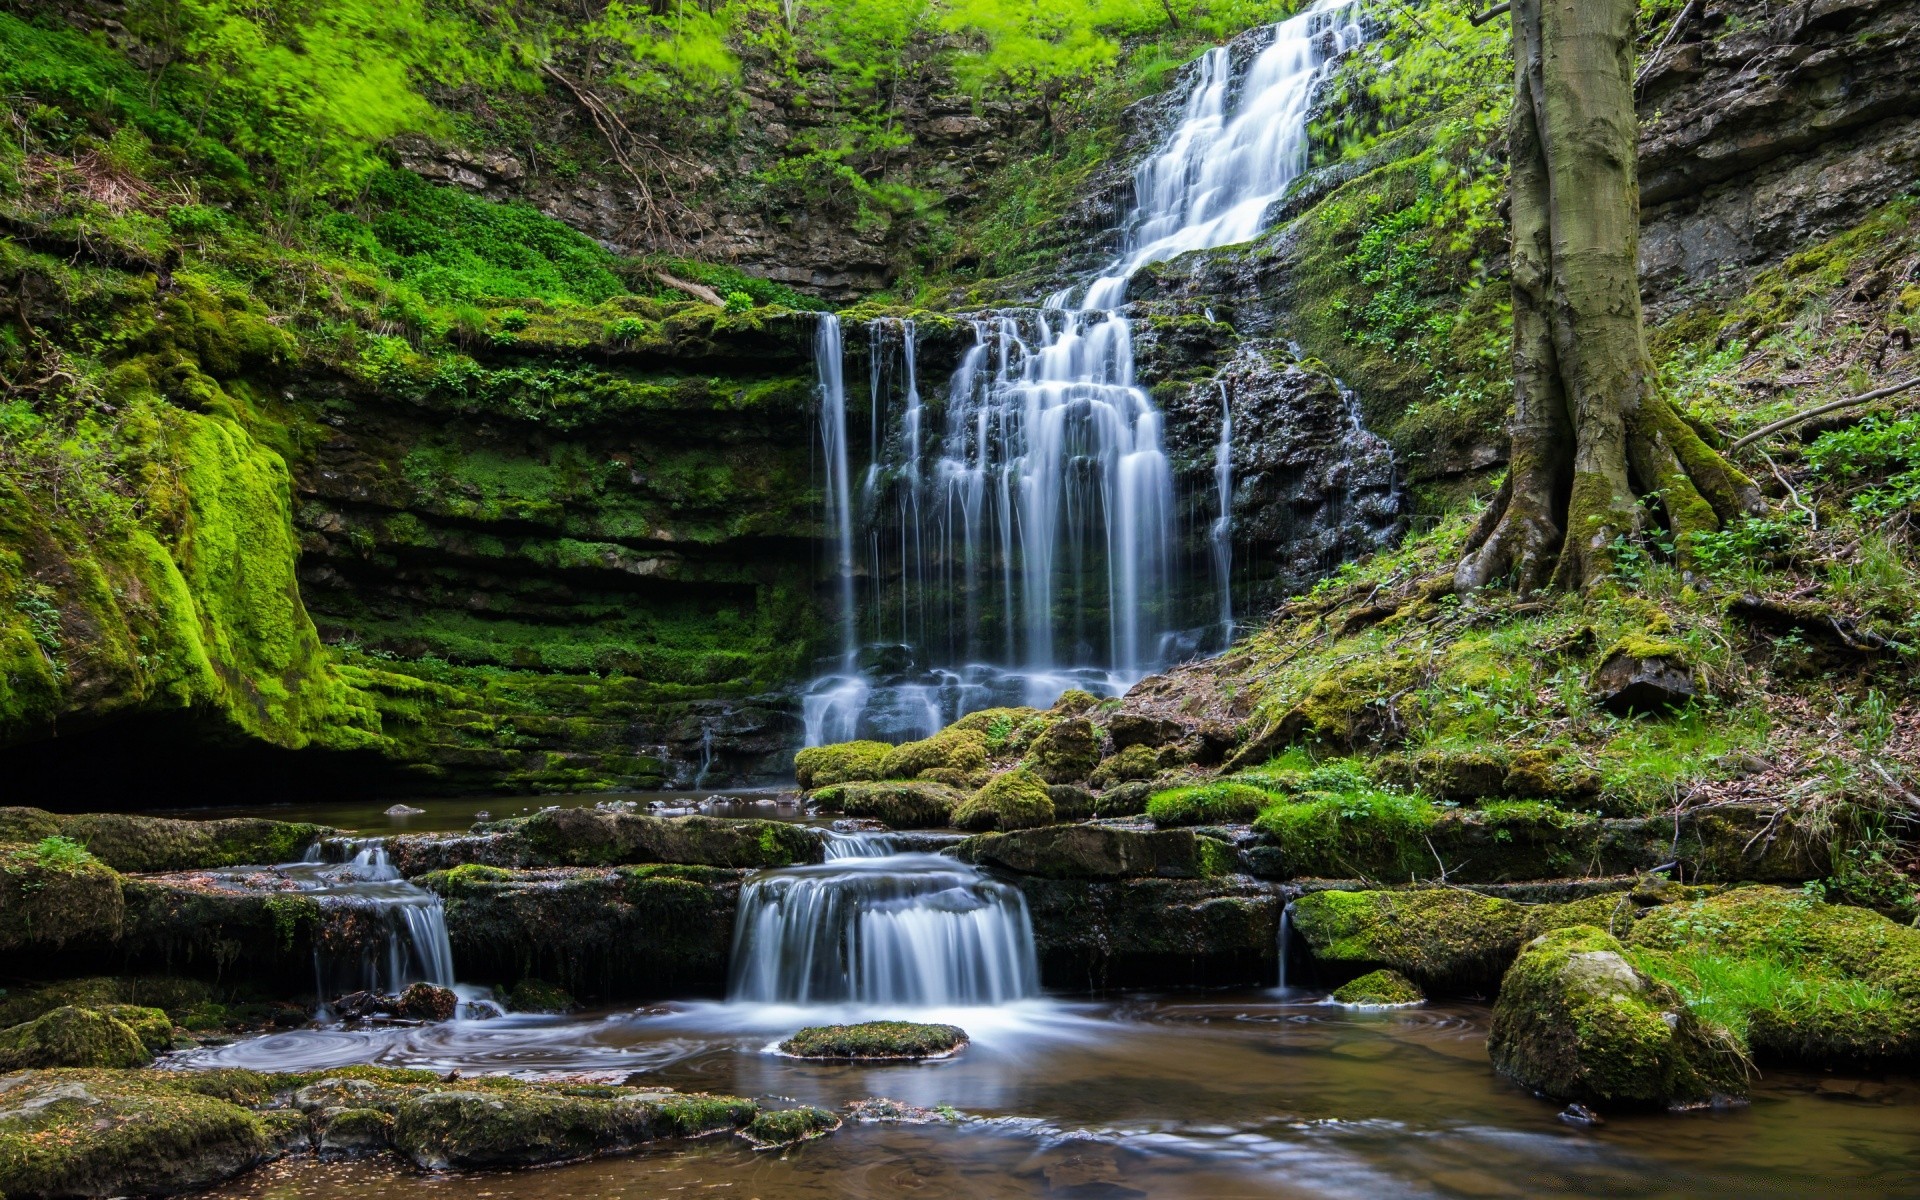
1066,753
1577,1021
425,1002
785,1127
133,843
900,804
583,837
131,1133
186,1002
1101,852
1445,939
954,756
819,766
460,1129
79,1037
1379,989
875,1039
353,1133
48,900
1015,799
1133,762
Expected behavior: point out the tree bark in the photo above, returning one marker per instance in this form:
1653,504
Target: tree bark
1591,434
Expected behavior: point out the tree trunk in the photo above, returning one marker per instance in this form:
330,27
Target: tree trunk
1591,433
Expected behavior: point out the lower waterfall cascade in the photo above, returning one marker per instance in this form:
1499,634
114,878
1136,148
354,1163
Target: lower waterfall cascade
876,926
1047,488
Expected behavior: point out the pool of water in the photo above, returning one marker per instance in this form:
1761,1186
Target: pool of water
454,814
1258,1094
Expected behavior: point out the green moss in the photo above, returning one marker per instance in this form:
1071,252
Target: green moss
1223,802
820,766
538,996
1371,834
1133,763
900,804
45,905
875,1039
1447,940
79,1037
788,1127
1379,989
1066,753
1016,799
952,756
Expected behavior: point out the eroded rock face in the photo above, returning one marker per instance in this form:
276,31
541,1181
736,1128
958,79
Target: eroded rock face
1576,1021
1095,934
1101,852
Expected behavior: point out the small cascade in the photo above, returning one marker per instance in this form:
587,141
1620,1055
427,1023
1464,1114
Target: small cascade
1222,532
1286,940
872,927
409,942
1032,538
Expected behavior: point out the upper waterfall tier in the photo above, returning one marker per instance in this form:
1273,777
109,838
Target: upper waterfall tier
1027,539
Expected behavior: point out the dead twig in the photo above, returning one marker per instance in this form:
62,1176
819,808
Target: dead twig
1821,410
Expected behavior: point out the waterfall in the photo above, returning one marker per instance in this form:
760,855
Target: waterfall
1036,535
875,928
412,944
1222,532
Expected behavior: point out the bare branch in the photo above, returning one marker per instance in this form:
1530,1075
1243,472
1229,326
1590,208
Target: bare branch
1820,410
1482,18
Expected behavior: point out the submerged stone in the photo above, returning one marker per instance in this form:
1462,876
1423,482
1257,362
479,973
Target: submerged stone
875,1039
1577,1021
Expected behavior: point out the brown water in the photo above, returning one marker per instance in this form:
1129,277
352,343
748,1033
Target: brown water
1225,1096
454,814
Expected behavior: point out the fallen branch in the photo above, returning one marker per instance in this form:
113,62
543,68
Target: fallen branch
1821,410
1479,19
699,291
1673,31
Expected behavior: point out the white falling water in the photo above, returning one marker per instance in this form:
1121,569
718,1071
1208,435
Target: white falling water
414,947
872,927
1036,538
1222,531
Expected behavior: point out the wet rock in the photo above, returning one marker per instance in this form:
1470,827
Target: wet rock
639,931
1379,989
1127,730
460,1129
900,804
1072,801
1095,934
1101,852
426,1002
353,1133
880,1110
1016,799
875,1039
1652,678
76,1037
404,810
1576,1021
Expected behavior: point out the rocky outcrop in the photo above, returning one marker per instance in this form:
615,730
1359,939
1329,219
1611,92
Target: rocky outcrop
1098,934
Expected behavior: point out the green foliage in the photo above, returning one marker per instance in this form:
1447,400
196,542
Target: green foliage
1877,460
1222,802
55,853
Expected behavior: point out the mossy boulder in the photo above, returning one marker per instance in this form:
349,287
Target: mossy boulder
1016,799
132,1133
426,1002
79,1037
1577,1021
48,901
1643,674
785,1127
1066,753
176,999
1132,762
819,766
1101,852
582,837
1128,799
900,804
953,756
353,1133
1445,939
1379,989
26,825
875,1039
